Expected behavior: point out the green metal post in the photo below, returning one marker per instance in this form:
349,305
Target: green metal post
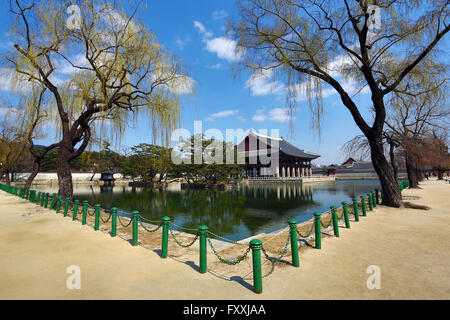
374,200
135,217
58,205
355,209
294,242
97,217
202,230
42,198
114,222
75,209
377,196
85,208
66,207
369,198
52,203
363,203
39,197
318,234
46,200
256,246
335,221
165,236
347,220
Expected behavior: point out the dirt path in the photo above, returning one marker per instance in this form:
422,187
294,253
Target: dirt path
411,248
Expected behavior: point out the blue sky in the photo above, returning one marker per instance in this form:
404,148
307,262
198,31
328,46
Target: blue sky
195,31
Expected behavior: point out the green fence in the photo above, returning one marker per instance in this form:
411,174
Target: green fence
346,213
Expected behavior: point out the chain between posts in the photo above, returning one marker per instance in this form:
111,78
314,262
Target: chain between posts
146,229
329,223
308,234
273,259
236,260
227,240
109,217
179,243
122,224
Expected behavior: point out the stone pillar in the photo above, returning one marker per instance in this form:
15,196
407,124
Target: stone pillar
283,172
288,172
277,172
303,172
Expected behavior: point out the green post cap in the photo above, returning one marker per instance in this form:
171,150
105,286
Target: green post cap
317,214
354,199
134,212
76,201
333,207
202,228
85,201
97,205
113,209
343,203
165,218
255,243
67,198
292,221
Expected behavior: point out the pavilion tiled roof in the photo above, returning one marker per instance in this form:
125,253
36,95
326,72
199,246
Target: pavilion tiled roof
285,146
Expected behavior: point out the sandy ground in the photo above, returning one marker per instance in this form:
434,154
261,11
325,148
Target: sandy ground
411,248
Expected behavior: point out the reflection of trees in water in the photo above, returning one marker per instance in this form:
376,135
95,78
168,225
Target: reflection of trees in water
267,202
223,212
250,208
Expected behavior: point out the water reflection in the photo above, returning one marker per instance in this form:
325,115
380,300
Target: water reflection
236,214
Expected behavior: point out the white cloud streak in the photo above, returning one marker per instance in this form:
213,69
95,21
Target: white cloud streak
221,114
224,47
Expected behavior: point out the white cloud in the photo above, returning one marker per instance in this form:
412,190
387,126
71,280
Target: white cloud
224,47
219,14
263,83
241,119
276,114
221,114
216,66
201,28
260,84
180,43
259,116
10,81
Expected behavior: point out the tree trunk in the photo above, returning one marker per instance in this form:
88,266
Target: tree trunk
36,169
63,169
391,192
393,162
412,173
95,171
420,175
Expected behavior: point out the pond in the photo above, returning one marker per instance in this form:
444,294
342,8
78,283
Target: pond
236,214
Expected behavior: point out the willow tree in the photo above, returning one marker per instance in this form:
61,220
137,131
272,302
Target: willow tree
102,69
311,43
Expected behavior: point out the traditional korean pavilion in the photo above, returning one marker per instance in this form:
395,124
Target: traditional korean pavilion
292,161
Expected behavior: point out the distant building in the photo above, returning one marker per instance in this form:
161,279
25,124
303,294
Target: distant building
292,161
349,162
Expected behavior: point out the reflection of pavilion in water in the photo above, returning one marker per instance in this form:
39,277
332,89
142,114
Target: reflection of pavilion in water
285,191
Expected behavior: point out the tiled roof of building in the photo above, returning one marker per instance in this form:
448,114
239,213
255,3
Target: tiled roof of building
284,146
